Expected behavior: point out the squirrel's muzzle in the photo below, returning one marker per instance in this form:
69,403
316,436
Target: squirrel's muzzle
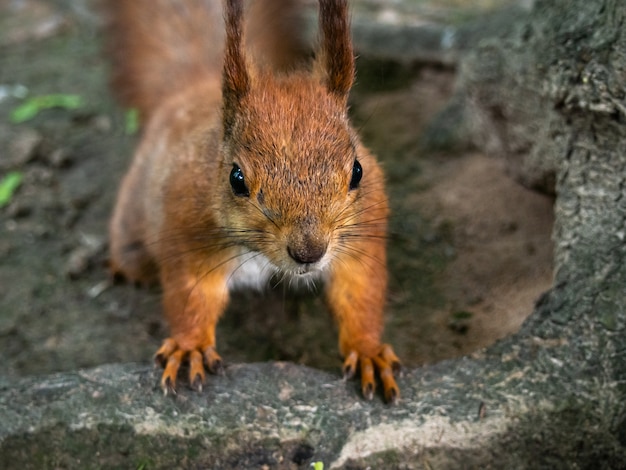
307,253
307,245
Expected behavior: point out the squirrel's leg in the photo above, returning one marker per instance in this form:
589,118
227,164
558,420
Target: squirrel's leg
194,298
356,296
128,254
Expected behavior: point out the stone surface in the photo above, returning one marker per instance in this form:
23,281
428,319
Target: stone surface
522,404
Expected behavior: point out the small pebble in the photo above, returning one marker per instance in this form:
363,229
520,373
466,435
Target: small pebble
24,146
19,209
102,123
59,158
78,262
81,258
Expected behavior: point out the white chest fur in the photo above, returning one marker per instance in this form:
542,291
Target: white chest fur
251,270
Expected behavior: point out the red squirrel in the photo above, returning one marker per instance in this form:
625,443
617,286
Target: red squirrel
248,169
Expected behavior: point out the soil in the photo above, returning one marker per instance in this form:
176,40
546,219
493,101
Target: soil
469,249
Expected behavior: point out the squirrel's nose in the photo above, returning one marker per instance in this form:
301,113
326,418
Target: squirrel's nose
307,253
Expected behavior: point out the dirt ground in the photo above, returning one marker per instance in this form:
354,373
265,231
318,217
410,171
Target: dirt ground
469,248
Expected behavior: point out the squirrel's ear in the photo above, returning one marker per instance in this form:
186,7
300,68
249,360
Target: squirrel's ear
336,46
235,78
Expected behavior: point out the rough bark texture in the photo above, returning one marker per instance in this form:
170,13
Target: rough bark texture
551,99
527,95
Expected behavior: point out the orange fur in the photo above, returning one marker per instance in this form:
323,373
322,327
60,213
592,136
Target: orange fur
248,168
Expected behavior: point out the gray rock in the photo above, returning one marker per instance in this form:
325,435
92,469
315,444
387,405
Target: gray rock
23,147
522,404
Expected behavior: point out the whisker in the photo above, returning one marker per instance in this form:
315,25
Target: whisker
342,217
213,268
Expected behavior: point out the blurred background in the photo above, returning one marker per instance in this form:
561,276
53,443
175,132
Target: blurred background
469,246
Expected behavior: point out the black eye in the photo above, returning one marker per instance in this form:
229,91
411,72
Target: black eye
238,182
357,174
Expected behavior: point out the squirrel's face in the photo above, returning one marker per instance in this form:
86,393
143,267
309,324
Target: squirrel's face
291,177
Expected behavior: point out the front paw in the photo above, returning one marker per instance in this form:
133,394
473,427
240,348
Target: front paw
385,363
171,356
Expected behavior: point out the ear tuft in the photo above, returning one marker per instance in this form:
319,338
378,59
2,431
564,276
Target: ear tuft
235,78
336,46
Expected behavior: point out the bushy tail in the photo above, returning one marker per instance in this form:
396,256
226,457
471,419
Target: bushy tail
159,47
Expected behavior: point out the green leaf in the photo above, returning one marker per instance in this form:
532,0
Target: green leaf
24,112
32,106
8,185
318,465
132,121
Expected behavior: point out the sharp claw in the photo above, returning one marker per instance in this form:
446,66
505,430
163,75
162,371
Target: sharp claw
213,361
392,396
217,367
350,364
196,383
348,372
382,366
165,351
160,360
168,387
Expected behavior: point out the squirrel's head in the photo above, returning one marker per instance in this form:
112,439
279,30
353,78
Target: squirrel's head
291,171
